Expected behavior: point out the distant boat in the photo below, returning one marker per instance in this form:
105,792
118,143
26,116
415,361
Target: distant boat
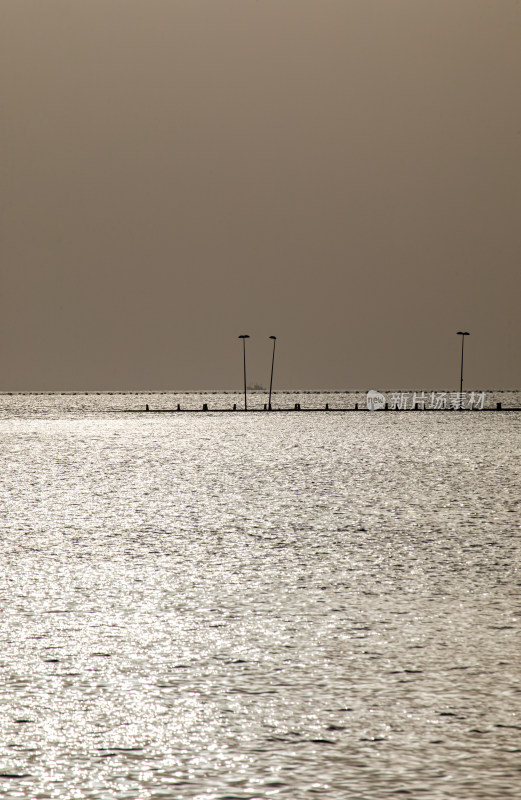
256,388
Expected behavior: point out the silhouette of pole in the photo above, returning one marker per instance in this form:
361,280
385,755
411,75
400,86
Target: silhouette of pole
272,363
244,336
462,334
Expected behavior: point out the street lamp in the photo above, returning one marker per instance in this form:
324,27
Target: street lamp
272,363
462,334
244,336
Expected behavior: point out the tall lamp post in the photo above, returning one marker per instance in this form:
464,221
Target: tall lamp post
244,336
462,334
272,363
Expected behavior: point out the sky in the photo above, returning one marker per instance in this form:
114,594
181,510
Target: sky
343,174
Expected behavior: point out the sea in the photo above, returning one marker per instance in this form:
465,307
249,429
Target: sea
232,606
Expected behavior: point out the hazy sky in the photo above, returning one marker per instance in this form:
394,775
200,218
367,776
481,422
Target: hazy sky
343,174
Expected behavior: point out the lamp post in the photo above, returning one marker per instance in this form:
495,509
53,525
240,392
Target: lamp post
462,334
272,363
244,336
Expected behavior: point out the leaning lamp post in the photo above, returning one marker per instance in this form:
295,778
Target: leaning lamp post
244,336
462,334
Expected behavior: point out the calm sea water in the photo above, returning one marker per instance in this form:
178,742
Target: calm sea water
258,606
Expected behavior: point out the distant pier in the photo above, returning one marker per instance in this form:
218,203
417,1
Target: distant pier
206,409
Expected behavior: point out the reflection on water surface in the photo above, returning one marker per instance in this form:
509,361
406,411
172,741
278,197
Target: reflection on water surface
257,607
